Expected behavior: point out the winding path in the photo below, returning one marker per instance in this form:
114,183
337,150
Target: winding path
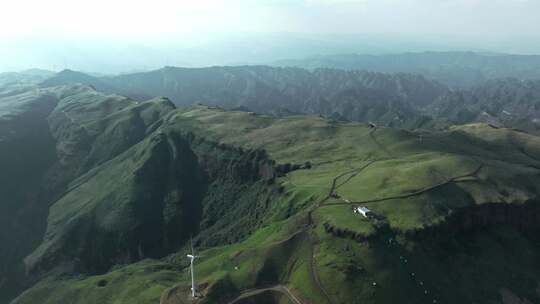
334,186
314,274
378,144
415,193
277,288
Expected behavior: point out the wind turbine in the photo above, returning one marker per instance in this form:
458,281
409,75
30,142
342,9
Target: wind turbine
192,258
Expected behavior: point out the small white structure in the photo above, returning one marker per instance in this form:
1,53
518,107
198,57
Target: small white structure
364,211
192,258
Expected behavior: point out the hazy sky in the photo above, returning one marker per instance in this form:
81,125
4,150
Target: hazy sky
145,17
34,31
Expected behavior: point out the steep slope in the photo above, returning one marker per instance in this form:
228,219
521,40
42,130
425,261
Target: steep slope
350,95
455,69
116,186
44,147
27,178
18,146
503,102
169,186
455,215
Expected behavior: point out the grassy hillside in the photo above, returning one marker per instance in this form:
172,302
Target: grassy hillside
28,178
268,202
476,161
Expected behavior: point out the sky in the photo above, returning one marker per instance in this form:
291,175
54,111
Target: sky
167,25
147,17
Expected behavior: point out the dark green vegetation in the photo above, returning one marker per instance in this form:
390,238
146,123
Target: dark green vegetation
116,187
146,191
455,69
28,177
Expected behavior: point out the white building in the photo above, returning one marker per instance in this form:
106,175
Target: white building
364,211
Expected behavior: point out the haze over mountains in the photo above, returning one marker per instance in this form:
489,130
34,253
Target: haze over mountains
114,55
455,69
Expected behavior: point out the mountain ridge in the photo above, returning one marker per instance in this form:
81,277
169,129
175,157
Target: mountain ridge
455,69
349,95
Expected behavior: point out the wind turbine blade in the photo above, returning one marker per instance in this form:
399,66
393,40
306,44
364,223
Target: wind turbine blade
192,252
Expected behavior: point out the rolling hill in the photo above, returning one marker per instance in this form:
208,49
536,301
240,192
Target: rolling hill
268,200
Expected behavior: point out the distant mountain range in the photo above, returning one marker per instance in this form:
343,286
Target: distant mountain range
16,82
398,100
455,69
32,75
346,95
502,102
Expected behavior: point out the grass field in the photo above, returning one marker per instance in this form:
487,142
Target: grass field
403,162
410,180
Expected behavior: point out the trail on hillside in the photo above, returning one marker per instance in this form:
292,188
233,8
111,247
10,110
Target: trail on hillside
334,185
313,271
378,144
277,288
353,174
455,179
331,192
349,174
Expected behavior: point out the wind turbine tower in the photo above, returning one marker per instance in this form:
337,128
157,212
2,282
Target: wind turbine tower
192,258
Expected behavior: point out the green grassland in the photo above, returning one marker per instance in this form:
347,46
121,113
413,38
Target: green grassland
413,182
142,282
402,162
463,167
